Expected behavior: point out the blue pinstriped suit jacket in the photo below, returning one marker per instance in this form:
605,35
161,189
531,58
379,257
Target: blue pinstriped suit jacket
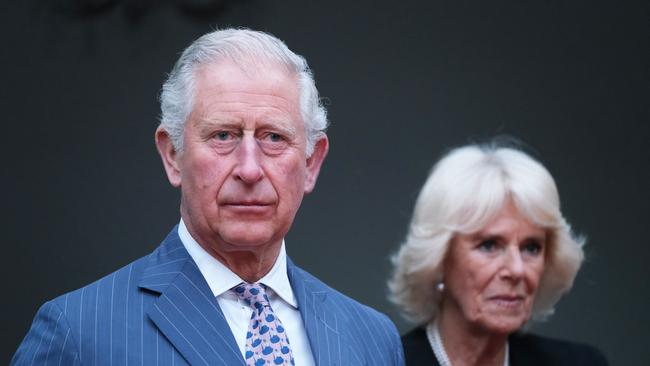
159,310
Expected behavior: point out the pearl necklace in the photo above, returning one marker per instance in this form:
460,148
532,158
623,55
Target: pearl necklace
433,334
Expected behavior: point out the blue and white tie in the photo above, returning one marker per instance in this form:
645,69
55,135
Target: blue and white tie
266,339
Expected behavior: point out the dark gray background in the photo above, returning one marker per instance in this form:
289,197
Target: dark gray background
85,191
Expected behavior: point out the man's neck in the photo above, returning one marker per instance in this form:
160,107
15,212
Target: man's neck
248,265
249,262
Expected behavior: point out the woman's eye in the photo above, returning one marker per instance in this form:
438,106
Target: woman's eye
532,247
487,245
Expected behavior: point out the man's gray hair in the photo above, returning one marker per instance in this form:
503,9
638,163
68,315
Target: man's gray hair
465,190
251,50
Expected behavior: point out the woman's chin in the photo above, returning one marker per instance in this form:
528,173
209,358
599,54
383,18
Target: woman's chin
504,324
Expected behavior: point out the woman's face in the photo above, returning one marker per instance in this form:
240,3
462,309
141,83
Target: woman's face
491,276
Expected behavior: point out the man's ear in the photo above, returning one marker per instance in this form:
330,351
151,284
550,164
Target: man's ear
315,161
169,156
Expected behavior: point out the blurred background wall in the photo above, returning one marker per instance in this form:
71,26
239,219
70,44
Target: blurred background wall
85,192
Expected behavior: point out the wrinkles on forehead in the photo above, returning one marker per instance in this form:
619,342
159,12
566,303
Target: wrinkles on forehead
251,68
215,100
271,87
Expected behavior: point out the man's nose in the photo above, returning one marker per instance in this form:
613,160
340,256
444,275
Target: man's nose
249,169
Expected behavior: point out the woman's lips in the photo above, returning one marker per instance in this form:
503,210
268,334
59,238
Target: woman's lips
509,301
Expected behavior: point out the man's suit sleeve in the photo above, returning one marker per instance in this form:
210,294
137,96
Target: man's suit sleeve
397,350
49,341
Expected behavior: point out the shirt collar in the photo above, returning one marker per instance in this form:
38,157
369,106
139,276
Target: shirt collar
221,279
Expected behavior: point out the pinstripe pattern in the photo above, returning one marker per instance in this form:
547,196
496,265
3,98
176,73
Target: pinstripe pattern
159,310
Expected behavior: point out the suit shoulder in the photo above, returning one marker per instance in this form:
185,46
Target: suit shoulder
58,328
553,351
170,253
118,280
359,321
360,316
340,298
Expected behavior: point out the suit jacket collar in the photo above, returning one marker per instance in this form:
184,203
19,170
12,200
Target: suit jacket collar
221,279
188,314
186,311
324,325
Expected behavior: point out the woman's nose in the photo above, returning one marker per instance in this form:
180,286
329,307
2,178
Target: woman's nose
513,266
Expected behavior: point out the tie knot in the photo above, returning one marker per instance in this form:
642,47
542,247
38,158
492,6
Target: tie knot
253,294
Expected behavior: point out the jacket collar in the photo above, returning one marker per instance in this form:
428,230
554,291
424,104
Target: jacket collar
186,312
323,318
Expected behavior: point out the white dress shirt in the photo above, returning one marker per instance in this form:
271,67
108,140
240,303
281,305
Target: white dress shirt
221,279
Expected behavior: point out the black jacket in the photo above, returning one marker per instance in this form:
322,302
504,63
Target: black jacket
525,350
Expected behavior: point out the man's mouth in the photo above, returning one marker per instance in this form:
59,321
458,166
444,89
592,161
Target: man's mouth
248,203
248,207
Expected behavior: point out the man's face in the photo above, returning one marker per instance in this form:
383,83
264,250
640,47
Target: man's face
243,169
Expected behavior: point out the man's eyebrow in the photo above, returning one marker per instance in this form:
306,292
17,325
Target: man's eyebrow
209,123
279,124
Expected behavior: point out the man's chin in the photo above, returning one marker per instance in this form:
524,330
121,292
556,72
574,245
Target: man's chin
250,238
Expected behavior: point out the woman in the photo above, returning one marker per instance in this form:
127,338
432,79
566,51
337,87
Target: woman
487,249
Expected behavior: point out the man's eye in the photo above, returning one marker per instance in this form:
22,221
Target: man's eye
274,137
487,245
273,143
223,135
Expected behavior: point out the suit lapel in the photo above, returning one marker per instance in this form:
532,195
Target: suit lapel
186,311
323,321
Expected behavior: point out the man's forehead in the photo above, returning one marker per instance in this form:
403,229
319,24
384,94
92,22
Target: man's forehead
224,88
235,106
250,70
229,83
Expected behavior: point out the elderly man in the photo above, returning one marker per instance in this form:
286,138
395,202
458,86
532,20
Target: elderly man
243,136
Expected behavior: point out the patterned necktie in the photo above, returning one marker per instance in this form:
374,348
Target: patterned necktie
266,339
